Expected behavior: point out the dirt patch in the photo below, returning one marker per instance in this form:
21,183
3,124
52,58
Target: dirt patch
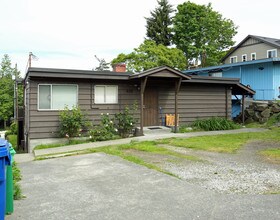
245,172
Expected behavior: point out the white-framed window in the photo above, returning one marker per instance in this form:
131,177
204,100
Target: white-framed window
271,53
105,94
233,59
244,57
57,96
253,56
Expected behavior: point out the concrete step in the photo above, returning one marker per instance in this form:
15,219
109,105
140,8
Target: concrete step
153,130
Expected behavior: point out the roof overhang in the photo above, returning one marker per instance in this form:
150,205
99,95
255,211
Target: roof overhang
75,74
225,67
237,87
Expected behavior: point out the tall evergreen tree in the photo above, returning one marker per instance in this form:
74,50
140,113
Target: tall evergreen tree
158,25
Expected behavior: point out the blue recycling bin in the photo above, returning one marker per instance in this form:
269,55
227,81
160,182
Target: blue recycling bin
5,159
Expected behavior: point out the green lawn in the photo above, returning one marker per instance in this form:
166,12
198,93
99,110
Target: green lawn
228,143
71,142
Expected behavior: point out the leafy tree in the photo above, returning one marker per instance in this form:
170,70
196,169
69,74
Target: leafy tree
201,33
7,88
103,65
149,55
158,25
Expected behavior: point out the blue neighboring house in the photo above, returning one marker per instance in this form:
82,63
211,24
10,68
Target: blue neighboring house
256,61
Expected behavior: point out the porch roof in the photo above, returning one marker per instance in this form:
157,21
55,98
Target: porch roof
158,72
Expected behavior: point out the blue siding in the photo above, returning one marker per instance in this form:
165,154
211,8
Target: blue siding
276,81
259,80
262,75
235,108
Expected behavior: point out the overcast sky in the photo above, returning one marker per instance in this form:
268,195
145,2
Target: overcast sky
68,33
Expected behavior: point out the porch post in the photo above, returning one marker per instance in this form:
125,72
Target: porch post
243,108
177,88
226,94
143,86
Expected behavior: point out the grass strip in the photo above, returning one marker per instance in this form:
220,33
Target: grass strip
273,153
226,143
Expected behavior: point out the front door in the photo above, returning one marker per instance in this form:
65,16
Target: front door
150,107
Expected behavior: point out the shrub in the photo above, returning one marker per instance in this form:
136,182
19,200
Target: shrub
72,122
104,131
16,179
125,122
214,123
14,128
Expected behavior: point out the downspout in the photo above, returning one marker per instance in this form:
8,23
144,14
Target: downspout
143,86
243,108
226,96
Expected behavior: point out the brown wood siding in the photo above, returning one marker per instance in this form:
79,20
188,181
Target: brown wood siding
195,101
45,123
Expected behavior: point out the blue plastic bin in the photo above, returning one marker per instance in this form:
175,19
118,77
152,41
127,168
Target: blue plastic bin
5,159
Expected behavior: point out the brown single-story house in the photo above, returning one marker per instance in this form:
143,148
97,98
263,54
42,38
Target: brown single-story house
158,91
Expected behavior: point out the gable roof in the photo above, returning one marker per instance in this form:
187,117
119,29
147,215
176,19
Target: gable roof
157,70
267,40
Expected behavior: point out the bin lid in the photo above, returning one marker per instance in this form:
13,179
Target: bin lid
3,142
4,151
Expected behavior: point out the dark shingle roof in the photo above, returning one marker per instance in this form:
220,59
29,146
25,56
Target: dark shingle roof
272,41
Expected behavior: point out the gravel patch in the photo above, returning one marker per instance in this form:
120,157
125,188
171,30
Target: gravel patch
243,173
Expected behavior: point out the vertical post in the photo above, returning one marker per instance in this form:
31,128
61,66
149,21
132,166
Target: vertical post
177,88
243,108
226,96
143,86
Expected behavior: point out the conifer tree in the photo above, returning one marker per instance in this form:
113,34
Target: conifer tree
158,25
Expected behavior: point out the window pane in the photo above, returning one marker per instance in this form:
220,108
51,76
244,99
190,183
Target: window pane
99,94
271,53
111,94
44,97
64,95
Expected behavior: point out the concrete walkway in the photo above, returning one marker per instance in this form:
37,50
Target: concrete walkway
148,137
99,186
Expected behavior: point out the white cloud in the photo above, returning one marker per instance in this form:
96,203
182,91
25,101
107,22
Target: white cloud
67,34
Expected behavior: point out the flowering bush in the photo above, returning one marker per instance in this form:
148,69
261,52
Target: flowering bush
125,122
104,131
72,122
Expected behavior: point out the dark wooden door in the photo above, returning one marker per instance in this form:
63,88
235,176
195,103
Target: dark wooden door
150,107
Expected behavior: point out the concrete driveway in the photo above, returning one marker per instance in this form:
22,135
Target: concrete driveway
99,186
